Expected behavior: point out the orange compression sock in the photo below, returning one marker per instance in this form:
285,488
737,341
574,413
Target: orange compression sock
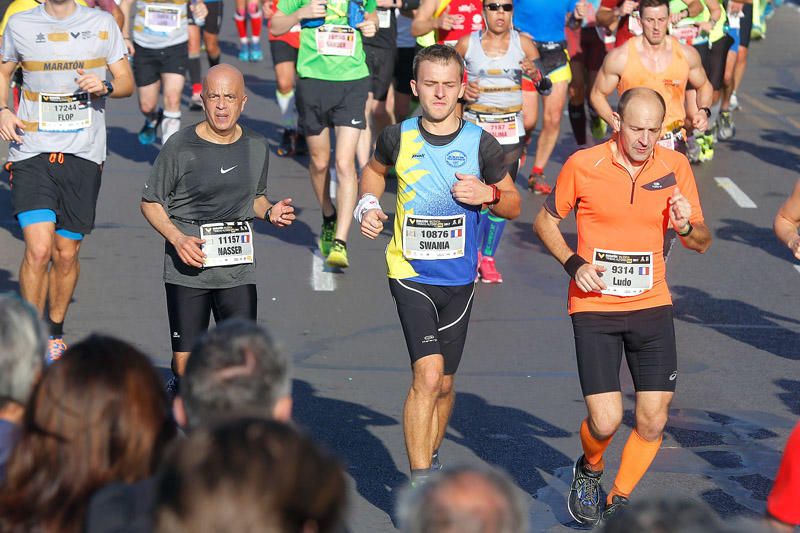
593,448
637,455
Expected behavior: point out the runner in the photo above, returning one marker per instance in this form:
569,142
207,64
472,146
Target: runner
209,266
494,61
744,23
622,17
284,59
543,21
446,169
406,49
249,9
160,58
205,29
56,157
787,222
331,93
639,64
625,192
446,21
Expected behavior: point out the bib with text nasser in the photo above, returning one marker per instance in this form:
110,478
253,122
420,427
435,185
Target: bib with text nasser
227,243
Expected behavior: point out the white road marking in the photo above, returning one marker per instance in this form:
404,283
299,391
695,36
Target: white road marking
738,195
797,267
321,276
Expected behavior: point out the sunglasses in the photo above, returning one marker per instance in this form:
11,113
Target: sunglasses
497,7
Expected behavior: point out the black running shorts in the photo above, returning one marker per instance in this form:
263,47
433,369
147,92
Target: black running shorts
380,62
213,22
282,52
746,25
647,337
63,183
150,63
190,309
434,319
714,58
326,104
404,69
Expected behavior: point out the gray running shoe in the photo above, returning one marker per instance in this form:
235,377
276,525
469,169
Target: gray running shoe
726,129
585,494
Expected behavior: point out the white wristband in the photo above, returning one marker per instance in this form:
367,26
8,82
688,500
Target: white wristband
367,202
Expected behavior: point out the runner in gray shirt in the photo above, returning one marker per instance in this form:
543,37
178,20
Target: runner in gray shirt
207,184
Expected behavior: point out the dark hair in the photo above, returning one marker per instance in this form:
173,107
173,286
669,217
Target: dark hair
234,368
438,53
653,3
640,92
666,514
249,474
99,414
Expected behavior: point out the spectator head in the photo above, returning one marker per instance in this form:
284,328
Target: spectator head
466,499
249,475
666,514
234,369
96,416
22,347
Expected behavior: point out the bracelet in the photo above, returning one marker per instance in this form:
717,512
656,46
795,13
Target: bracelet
495,195
572,264
269,211
687,232
706,110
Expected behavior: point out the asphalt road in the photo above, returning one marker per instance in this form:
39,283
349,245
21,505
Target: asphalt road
519,404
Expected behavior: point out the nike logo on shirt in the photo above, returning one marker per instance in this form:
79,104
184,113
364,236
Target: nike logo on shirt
355,122
226,170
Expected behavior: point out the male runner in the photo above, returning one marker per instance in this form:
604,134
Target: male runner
543,21
160,58
741,24
494,60
625,192
57,156
622,17
787,222
331,93
660,62
207,30
445,21
446,170
206,186
249,9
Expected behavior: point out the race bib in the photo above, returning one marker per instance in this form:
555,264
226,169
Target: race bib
64,112
627,273
336,40
162,19
384,18
634,24
685,34
227,243
430,237
506,128
667,141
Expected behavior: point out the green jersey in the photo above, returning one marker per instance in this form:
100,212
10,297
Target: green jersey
332,51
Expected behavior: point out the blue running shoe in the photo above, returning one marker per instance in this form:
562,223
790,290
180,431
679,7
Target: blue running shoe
256,55
147,135
55,349
244,52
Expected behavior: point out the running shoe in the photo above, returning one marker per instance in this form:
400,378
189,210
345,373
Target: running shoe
244,52
599,128
173,386
435,464
617,506
55,349
734,103
488,271
585,494
256,55
147,135
287,148
706,148
538,185
725,126
196,102
338,256
326,237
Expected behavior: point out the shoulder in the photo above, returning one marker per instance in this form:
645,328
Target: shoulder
254,137
616,58
594,157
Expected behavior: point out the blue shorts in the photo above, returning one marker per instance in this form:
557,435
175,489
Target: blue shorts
734,33
35,216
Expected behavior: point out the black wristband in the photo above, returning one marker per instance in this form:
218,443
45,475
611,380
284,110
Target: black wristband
687,232
707,111
573,264
268,213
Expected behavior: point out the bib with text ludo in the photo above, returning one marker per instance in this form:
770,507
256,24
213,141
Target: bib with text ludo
432,237
64,112
227,243
627,273
162,19
336,40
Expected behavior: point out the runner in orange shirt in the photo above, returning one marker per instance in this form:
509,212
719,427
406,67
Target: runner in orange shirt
626,193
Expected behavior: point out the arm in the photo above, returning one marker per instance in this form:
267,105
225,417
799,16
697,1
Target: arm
279,214
606,82
425,19
680,211
188,248
282,22
9,123
609,18
787,221
695,7
698,80
368,211
510,202
121,78
127,27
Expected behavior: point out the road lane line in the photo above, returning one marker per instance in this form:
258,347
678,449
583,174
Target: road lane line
738,195
797,267
321,278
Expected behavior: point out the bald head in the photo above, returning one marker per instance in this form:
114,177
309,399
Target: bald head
641,97
225,73
223,98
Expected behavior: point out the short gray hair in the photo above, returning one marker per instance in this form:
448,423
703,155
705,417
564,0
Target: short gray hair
428,508
234,368
22,346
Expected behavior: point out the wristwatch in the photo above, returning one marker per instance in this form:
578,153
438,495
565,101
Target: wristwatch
706,110
109,87
495,195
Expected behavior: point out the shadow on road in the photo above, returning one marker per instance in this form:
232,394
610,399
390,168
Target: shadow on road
125,144
344,428
759,237
299,233
784,94
738,320
6,283
791,395
773,156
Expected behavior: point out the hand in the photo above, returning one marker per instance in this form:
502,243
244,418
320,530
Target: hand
189,250
794,246
90,83
700,120
470,190
445,22
675,18
129,46
628,7
267,10
588,279
199,10
680,210
368,28
705,27
313,10
735,8
282,213
372,223
473,92
530,70
9,124
580,10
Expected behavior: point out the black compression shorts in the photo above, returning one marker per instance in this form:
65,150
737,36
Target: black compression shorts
403,69
213,21
714,61
434,319
150,63
647,337
746,25
190,310
380,62
282,52
326,104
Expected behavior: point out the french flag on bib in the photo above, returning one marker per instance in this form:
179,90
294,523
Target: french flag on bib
644,271
455,233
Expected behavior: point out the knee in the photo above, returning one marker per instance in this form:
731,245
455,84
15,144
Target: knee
651,425
285,86
428,381
318,163
172,101
65,258
147,107
604,425
38,254
447,386
345,168
552,119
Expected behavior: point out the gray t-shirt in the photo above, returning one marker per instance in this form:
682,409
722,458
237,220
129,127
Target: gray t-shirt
199,181
160,24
